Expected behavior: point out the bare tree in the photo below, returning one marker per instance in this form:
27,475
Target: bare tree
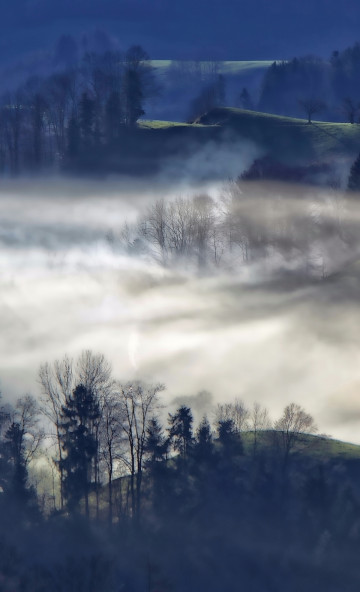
180,225
350,109
154,228
13,114
27,417
204,224
111,440
139,402
259,421
311,106
236,411
61,94
291,428
58,382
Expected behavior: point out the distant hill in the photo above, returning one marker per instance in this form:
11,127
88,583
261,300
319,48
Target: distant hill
288,139
155,145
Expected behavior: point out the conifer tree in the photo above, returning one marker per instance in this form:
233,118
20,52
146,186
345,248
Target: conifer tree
180,430
78,418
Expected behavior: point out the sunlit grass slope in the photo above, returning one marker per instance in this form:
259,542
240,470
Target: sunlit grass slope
227,67
286,138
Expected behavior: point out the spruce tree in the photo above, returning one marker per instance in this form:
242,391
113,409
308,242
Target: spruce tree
78,419
180,430
156,445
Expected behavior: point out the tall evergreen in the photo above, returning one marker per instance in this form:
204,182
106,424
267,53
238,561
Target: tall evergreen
204,446
78,418
180,430
156,445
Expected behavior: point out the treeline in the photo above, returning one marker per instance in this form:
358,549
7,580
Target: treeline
97,429
135,504
56,120
310,85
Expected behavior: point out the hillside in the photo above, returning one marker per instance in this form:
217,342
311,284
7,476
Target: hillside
320,447
155,144
286,138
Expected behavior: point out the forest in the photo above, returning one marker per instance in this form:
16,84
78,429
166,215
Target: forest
178,314
85,115
134,501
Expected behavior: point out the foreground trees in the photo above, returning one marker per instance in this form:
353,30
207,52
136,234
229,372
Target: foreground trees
58,382
79,419
102,428
190,488
291,428
138,403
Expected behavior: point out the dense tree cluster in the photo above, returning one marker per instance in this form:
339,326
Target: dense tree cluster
242,228
54,119
189,507
212,95
292,87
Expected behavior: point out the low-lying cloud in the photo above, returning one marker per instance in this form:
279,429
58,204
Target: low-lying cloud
254,330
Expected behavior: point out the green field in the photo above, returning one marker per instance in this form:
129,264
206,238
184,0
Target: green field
227,67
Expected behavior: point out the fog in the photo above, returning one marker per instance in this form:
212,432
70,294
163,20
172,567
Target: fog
262,330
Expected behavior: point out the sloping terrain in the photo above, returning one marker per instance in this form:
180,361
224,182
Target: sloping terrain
287,138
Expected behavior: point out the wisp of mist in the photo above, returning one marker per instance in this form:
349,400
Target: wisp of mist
264,308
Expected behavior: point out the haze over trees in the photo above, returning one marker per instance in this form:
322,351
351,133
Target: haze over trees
72,112
127,490
334,81
241,229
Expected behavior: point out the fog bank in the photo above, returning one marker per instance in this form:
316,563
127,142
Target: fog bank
260,329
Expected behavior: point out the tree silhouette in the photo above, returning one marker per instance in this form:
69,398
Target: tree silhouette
79,415
291,427
87,118
311,107
180,430
204,446
156,445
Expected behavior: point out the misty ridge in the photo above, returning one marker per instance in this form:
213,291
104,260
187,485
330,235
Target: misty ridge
87,115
